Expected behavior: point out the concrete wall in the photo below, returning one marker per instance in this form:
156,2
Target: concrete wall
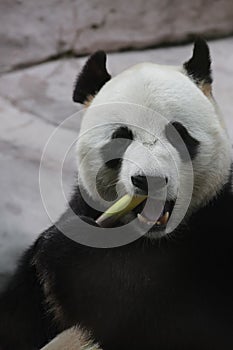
32,31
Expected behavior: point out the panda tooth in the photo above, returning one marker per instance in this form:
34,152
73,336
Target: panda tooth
162,221
164,218
144,220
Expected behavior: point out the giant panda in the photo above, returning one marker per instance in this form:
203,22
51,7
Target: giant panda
170,287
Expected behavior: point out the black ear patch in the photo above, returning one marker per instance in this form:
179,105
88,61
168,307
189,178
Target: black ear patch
199,65
91,79
120,147
183,142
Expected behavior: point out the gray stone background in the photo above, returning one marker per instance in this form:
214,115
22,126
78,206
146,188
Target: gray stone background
41,49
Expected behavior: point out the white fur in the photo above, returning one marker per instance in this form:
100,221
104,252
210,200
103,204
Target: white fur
146,97
72,339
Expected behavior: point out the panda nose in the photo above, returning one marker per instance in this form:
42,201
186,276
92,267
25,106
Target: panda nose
141,182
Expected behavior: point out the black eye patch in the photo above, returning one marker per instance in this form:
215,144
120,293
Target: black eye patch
119,146
190,142
123,132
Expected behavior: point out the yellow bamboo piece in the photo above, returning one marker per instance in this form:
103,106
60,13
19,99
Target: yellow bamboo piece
123,206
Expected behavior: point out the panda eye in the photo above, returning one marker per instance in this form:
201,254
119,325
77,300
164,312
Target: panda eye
120,147
190,142
123,132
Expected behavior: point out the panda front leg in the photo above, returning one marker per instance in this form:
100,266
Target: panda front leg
24,322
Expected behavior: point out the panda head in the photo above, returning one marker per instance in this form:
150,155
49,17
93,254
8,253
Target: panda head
156,128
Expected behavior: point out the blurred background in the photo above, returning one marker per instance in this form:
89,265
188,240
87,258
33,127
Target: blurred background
43,45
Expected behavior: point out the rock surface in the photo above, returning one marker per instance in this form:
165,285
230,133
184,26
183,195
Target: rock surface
33,102
32,31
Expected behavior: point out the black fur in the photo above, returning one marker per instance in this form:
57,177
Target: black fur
199,66
120,147
184,139
171,294
93,76
25,323
122,132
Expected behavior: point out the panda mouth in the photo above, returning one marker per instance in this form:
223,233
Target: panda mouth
161,220
149,211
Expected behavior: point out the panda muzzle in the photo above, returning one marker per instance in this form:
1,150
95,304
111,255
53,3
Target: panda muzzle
135,204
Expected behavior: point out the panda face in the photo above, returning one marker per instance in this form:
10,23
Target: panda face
154,129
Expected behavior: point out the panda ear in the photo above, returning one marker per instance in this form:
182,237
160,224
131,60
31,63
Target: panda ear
92,77
199,65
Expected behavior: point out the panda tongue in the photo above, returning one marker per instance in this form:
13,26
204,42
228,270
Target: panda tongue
153,209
